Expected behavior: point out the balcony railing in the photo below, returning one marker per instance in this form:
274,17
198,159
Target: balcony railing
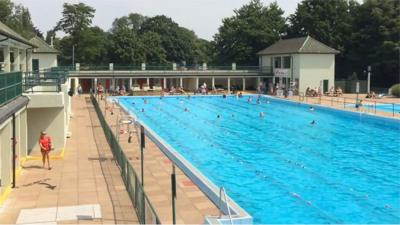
165,67
48,81
10,86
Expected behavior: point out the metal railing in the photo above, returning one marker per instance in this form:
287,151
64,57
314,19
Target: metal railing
47,81
168,67
145,211
10,86
373,106
223,193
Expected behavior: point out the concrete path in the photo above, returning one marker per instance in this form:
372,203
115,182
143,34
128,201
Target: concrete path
85,177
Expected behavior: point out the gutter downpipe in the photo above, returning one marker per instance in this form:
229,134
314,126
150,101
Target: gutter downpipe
14,143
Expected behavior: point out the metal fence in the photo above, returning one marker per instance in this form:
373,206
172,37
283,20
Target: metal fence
373,106
48,81
169,67
140,201
10,86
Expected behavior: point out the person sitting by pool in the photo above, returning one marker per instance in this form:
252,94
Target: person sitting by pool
311,108
313,122
262,114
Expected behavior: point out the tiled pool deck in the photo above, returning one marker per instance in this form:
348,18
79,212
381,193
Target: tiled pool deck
77,179
192,206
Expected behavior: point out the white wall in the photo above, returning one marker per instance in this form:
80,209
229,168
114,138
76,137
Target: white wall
6,146
314,68
52,120
45,60
265,60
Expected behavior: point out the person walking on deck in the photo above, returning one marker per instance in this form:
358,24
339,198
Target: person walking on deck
45,147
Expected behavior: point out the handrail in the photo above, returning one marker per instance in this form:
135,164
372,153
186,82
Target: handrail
222,191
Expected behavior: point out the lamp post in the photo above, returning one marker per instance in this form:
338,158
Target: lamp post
73,56
369,80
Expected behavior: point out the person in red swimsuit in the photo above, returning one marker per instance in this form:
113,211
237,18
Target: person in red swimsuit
45,147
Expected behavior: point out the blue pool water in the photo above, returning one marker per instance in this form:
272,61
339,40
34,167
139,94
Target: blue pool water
280,168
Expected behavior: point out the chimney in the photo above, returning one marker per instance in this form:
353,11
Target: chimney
51,42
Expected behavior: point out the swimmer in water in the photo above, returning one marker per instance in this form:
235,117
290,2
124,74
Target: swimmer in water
142,110
240,94
145,101
233,115
262,114
258,101
224,96
218,116
249,99
311,108
313,122
186,109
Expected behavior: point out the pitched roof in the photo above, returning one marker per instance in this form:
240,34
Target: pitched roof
8,32
42,46
304,45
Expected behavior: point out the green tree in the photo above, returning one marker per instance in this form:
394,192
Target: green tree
18,18
90,43
76,19
177,42
375,41
252,28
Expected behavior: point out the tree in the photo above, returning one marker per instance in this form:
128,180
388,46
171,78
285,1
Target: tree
18,18
76,19
375,41
252,28
178,42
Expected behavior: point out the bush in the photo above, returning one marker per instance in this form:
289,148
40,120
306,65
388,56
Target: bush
395,89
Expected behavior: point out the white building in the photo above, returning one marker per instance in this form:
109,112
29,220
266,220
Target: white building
300,62
29,102
15,53
44,56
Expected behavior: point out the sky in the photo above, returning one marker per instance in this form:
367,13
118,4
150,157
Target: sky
204,17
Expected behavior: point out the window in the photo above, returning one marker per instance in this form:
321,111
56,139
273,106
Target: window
277,62
286,62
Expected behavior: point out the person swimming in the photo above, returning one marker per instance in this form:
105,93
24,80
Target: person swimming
249,99
224,96
313,122
186,110
311,108
258,101
240,94
142,109
218,116
145,101
262,114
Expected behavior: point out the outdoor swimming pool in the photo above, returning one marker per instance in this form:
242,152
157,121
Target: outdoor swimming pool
280,168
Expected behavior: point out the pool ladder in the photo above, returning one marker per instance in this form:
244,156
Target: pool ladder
222,192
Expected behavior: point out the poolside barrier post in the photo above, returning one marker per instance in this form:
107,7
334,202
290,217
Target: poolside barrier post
173,192
142,145
393,108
